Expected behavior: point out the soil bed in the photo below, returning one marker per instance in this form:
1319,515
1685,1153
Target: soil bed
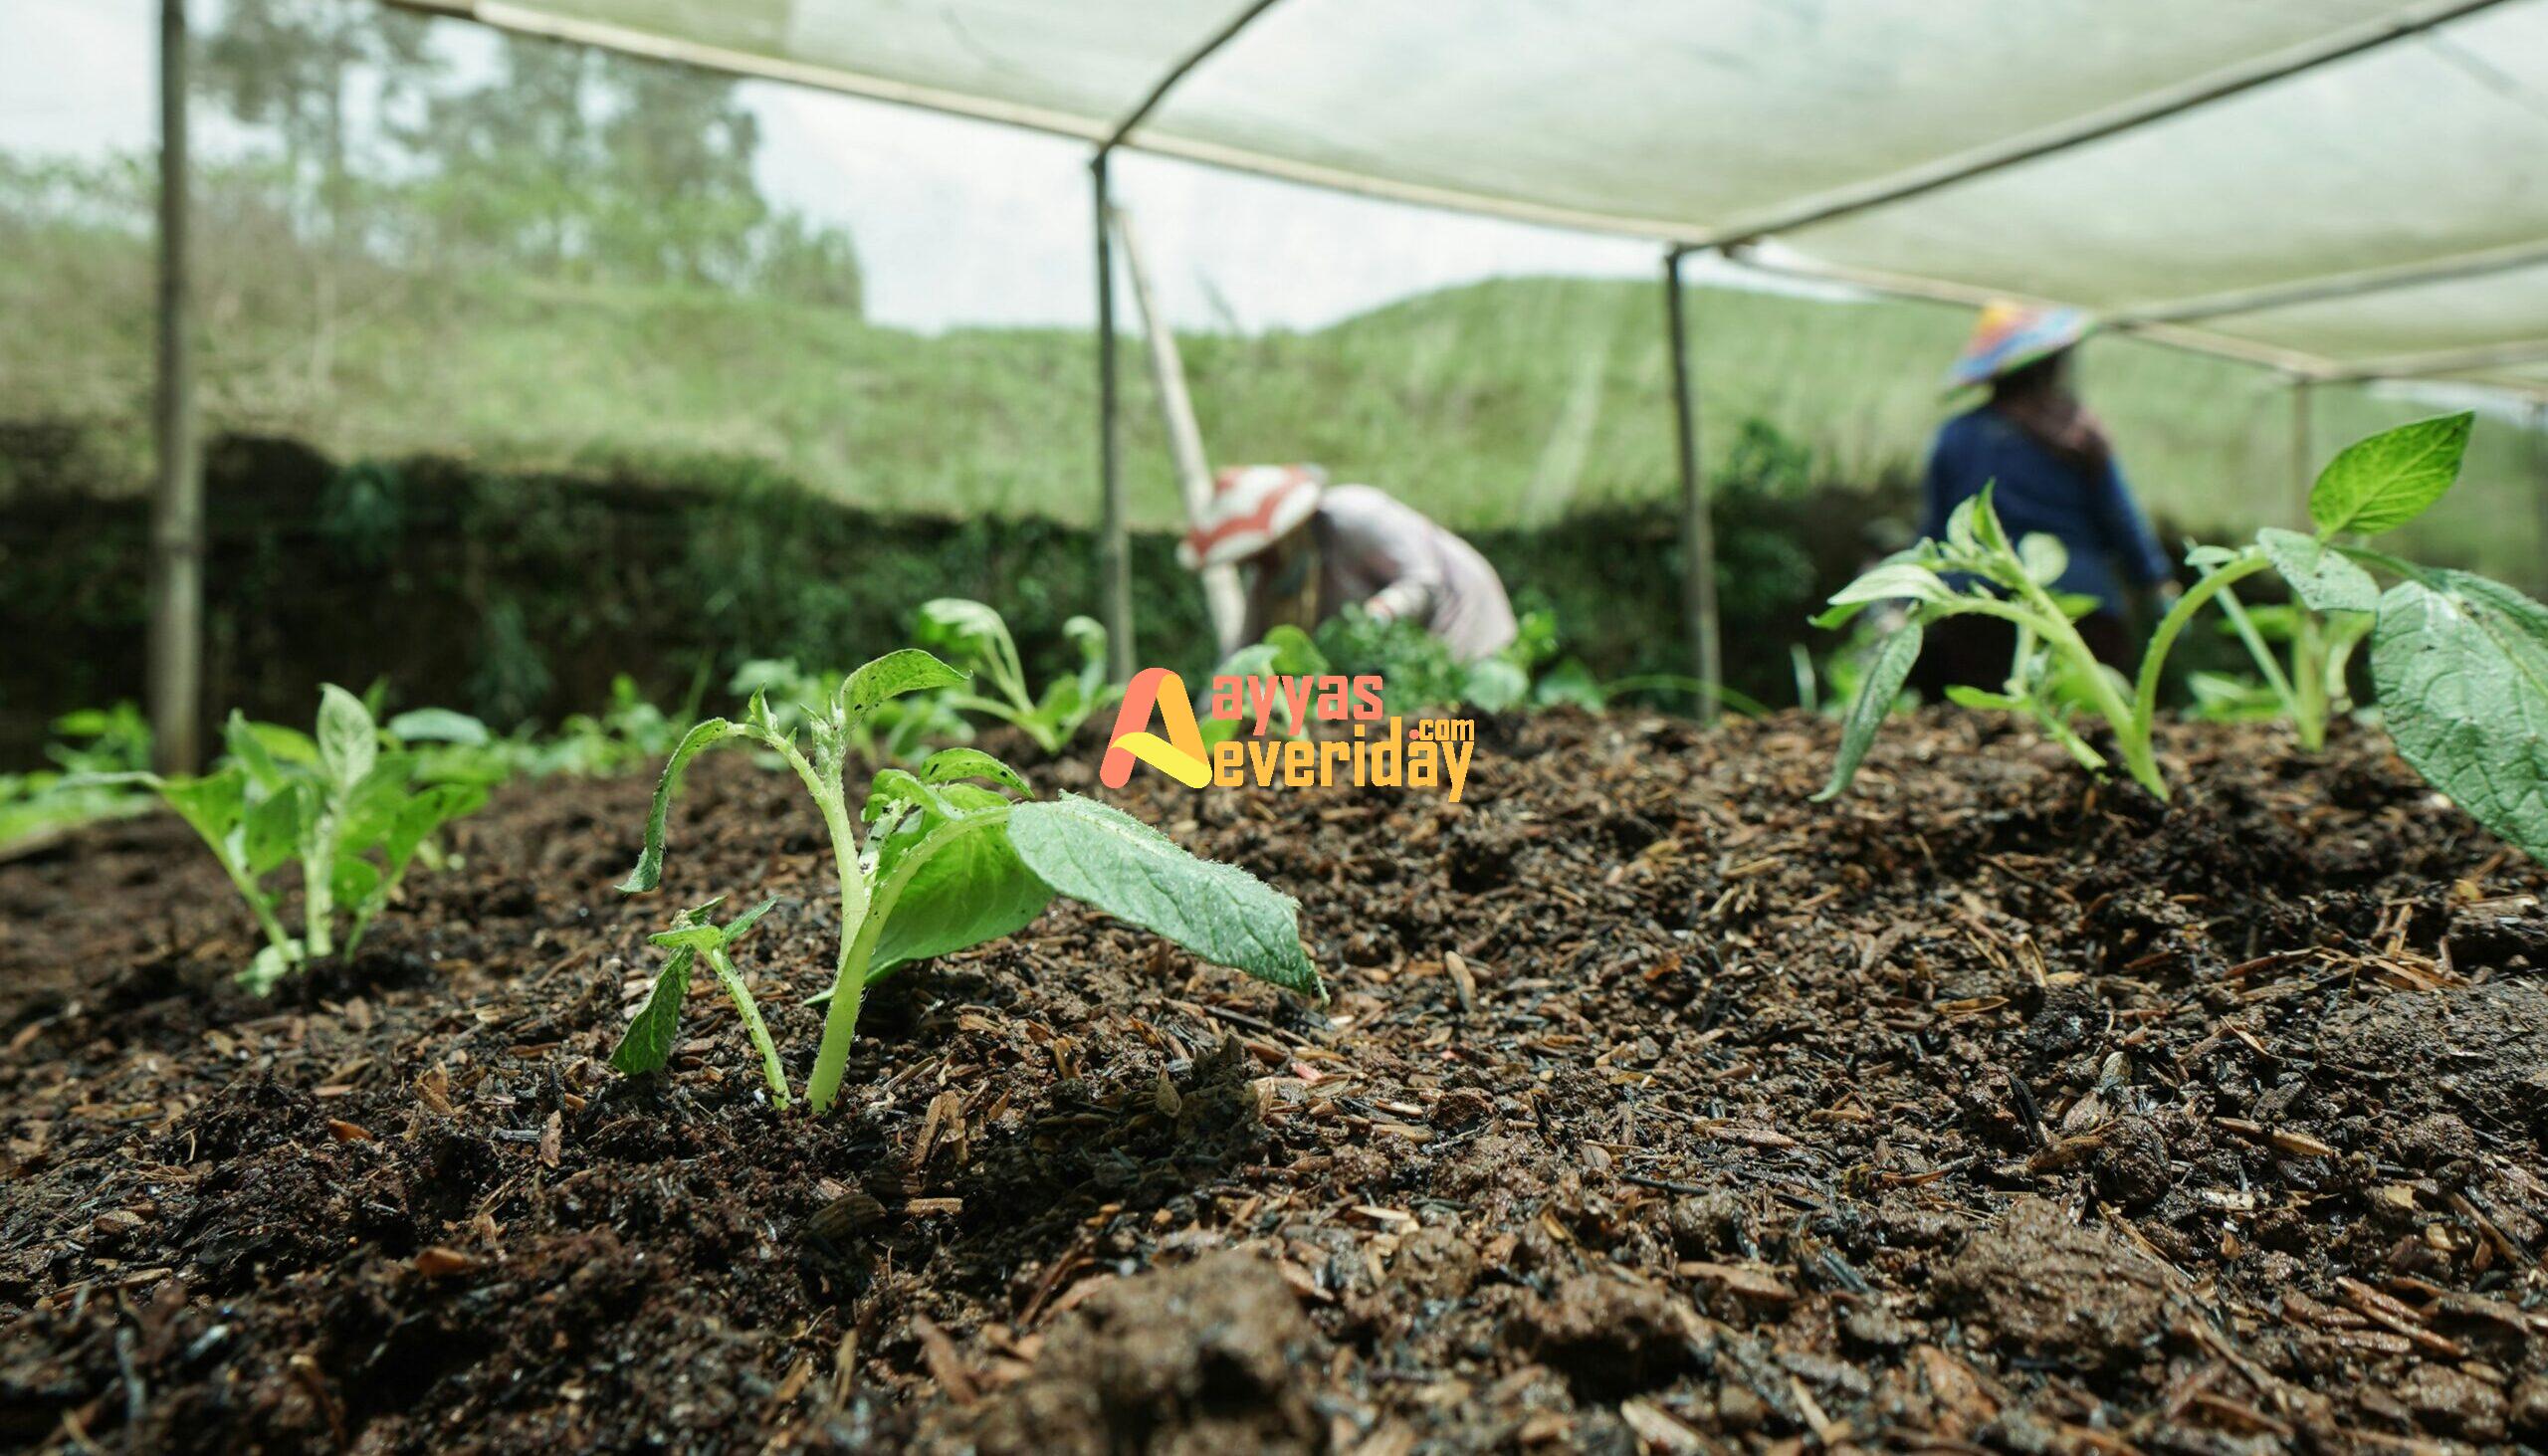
1656,1108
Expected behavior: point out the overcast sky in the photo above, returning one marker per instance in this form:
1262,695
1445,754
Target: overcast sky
956,222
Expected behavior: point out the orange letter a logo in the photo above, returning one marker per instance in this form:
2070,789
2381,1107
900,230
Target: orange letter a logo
1180,756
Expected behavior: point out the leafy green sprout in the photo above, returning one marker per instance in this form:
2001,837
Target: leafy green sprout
958,853
648,1043
900,731
353,816
2460,662
976,636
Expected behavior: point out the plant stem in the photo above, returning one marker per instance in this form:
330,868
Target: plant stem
2295,700
840,1019
2132,732
2145,703
849,984
2309,678
720,962
317,890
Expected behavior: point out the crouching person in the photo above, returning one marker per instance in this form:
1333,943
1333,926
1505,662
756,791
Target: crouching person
1308,551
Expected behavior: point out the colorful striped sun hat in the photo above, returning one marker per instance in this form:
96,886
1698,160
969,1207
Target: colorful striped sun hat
2010,336
1253,506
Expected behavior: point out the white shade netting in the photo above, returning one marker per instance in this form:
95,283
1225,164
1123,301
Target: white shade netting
2183,160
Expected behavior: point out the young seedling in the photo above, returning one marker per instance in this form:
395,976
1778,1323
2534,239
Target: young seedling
2460,663
951,860
648,1043
979,640
353,816
900,731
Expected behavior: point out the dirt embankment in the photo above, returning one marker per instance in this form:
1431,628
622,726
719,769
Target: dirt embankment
1656,1108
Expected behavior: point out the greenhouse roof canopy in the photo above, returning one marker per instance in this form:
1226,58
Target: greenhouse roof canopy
2339,188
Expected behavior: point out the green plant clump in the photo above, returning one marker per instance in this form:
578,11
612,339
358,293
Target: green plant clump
352,815
2461,662
950,860
974,636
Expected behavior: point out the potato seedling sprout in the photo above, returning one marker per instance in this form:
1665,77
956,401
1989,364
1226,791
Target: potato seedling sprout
2461,662
975,635
351,815
648,1043
951,860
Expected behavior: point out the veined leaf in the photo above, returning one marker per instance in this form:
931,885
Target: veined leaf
1124,867
971,888
2322,577
1894,579
909,671
650,860
648,1043
2461,664
349,744
1876,691
950,765
2391,478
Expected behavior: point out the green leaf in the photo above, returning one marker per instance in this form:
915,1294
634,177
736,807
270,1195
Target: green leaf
1294,653
1221,913
1974,698
275,825
214,804
1891,580
2391,478
419,818
971,888
439,726
354,882
1089,636
348,744
950,766
1493,685
650,860
249,749
2043,556
648,1042
895,673
1876,691
962,626
2323,580
2461,666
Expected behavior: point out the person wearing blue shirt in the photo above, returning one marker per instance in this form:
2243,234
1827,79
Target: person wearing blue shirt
2051,470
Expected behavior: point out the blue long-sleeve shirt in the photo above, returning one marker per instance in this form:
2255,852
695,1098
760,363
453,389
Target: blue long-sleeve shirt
2090,512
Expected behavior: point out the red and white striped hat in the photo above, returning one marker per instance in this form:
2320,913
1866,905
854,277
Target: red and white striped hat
1253,506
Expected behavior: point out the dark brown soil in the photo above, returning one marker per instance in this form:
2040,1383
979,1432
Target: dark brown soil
1656,1108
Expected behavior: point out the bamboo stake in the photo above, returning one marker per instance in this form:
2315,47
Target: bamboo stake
175,667
1698,530
1222,594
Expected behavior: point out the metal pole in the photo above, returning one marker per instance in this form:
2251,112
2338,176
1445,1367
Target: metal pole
175,655
2302,476
1698,532
1114,546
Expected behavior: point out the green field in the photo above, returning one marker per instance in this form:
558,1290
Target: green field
1502,403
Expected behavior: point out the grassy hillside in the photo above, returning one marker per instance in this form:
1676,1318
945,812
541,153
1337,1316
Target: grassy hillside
1504,403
